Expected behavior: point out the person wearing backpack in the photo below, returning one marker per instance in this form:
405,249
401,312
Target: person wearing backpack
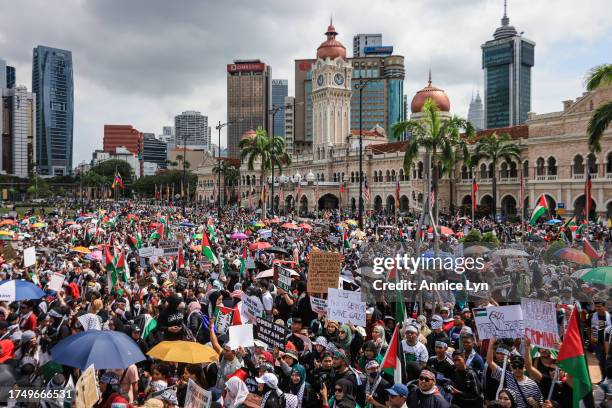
272,396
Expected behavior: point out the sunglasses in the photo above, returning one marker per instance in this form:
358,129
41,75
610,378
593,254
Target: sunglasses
337,389
426,379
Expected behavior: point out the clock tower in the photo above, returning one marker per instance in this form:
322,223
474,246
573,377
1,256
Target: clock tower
331,95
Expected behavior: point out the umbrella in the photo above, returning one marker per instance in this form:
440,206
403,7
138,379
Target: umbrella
81,219
510,252
443,230
187,224
239,235
7,233
268,273
601,275
573,255
106,349
264,232
351,222
305,226
276,250
183,352
259,245
258,224
39,225
80,250
554,221
274,220
12,290
290,225
7,222
95,255
476,250
6,238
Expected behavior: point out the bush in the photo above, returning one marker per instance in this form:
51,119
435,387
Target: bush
472,237
490,239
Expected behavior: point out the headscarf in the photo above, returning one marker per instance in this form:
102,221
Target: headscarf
193,306
347,340
348,399
237,392
298,368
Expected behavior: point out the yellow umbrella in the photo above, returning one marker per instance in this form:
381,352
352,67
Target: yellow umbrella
9,233
39,225
81,250
184,352
351,222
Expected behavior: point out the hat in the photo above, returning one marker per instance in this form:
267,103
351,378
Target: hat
436,322
267,366
16,336
412,328
466,310
27,336
372,364
441,344
291,354
269,379
398,389
444,309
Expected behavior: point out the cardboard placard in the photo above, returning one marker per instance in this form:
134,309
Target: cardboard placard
197,397
56,282
284,278
87,393
344,306
241,335
29,257
323,271
541,327
170,247
500,322
272,334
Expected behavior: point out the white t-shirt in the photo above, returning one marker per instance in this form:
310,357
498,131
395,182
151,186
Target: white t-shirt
268,301
418,352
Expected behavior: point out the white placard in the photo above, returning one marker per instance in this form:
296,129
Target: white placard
500,322
29,256
318,305
56,281
344,306
252,307
197,397
146,252
241,335
541,327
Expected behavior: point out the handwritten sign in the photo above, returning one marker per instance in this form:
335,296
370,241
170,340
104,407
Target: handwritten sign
318,305
500,321
346,307
252,307
541,326
284,278
323,271
56,281
87,392
197,397
274,335
29,256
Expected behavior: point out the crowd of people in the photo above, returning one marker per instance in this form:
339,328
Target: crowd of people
322,363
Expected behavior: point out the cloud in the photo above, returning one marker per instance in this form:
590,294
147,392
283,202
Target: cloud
144,61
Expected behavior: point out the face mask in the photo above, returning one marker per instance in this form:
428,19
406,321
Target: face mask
374,375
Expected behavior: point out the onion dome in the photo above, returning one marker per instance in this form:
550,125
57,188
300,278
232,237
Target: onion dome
436,94
249,134
331,48
310,177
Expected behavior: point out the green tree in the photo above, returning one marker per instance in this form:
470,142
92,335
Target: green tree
38,188
108,168
441,139
495,148
602,117
230,175
269,150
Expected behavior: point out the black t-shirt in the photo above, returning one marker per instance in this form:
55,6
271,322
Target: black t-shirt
284,310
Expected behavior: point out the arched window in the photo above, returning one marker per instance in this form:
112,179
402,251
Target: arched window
491,172
352,176
592,163
393,175
540,166
380,176
335,178
552,166
483,171
526,168
388,176
420,170
513,171
609,163
504,173
342,179
578,165
322,176
464,172
401,175
414,174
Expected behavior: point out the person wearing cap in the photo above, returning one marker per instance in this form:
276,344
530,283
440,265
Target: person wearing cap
398,394
441,362
427,395
27,319
271,395
466,387
413,349
437,334
376,386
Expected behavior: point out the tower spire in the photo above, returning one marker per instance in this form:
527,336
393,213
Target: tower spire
505,20
429,80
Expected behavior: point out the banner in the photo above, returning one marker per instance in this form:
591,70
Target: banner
284,278
323,271
344,306
170,247
197,397
541,326
500,322
318,305
274,335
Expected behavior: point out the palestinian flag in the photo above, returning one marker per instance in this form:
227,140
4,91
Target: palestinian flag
539,211
572,360
588,249
133,243
180,259
111,271
138,237
149,325
571,222
345,240
158,233
206,250
391,363
399,308
243,263
120,266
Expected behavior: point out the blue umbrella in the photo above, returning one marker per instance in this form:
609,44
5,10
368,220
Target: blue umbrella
554,221
13,290
187,224
104,349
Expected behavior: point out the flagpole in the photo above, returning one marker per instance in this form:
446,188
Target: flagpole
522,198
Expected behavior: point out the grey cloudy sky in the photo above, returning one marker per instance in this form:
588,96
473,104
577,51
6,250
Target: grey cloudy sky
140,62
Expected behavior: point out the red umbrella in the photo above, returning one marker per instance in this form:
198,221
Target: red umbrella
154,225
305,226
443,230
255,246
290,225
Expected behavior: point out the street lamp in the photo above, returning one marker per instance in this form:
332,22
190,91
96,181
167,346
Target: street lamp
360,86
184,170
219,127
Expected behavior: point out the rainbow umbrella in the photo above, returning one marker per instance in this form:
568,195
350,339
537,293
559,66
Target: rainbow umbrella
573,255
7,222
238,235
351,222
8,233
601,275
39,225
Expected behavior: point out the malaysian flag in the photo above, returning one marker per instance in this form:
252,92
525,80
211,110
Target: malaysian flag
397,194
474,191
366,191
432,198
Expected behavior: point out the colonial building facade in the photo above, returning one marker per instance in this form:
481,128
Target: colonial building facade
555,159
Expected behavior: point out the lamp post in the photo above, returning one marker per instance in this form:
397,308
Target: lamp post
184,170
219,127
360,86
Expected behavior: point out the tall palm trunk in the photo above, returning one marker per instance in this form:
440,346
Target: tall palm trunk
494,181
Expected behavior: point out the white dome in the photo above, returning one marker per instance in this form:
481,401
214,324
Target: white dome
310,177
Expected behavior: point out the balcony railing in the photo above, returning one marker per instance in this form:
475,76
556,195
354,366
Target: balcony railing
485,181
609,175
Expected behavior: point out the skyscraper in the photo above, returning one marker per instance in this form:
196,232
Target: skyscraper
280,89
289,114
18,130
360,41
154,150
476,112
10,77
3,71
507,60
52,82
191,128
249,99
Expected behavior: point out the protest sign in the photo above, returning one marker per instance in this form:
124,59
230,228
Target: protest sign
284,278
29,256
274,335
197,397
170,247
56,281
86,390
146,252
500,322
323,271
541,326
318,305
502,282
8,251
241,335
346,307
223,320
252,307
517,264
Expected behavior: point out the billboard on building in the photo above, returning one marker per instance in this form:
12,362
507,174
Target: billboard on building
378,50
250,67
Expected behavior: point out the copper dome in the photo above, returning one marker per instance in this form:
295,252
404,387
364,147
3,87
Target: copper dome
249,134
331,48
436,94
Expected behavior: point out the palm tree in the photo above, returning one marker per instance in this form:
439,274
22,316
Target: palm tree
494,148
269,150
602,117
230,174
441,138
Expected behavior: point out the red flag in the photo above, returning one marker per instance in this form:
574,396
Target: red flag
587,194
474,191
397,194
590,251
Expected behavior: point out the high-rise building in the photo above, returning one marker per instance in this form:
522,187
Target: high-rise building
18,130
191,128
249,99
52,83
10,77
507,60
360,41
476,112
123,136
154,150
3,70
289,122
280,90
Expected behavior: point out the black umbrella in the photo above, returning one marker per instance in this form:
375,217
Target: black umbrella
261,266
277,250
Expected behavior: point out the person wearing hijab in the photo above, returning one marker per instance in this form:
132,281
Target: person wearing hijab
345,336
370,353
506,398
301,389
170,320
342,395
378,336
195,319
236,394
